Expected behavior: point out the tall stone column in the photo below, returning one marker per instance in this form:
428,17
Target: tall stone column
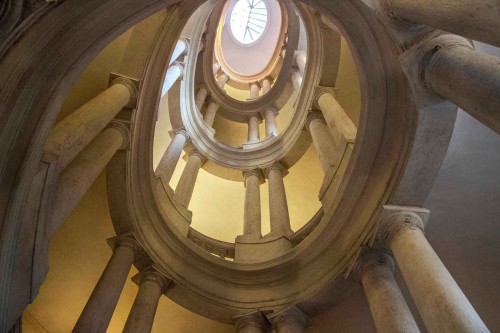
290,320
174,72
278,206
296,80
181,48
374,269
102,302
200,97
301,60
322,140
223,78
254,90
266,85
270,122
72,134
335,115
252,210
210,113
253,129
168,162
440,302
471,80
253,322
80,174
477,20
185,187
151,286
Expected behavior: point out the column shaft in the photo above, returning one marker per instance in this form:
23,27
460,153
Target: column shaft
174,72
201,95
477,20
209,116
102,302
185,187
143,311
440,302
215,68
71,135
253,129
323,143
469,79
180,49
335,114
77,178
278,206
301,60
296,80
168,162
270,122
388,307
254,90
223,78
266,85
252,210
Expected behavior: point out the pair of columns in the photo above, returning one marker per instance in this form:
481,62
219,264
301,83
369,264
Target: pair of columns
439,300
83,143
101,305
278,206
289,320
269,116
255,88
211,109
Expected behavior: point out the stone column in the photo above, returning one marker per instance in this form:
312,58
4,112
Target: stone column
316,125
168,162
477,20
253,129
301,60
278,206
290,320
102,302
266,85
335,115
210,113
181,48
200,97
151,286
270,122
174,72
440,302
215,68
80,174
254,90
252,212
374,269
253,322
296,80
223,78
185,187
72,134
467,78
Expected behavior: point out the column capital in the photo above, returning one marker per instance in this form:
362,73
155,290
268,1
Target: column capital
369,259
254,172
311,116
126,240
150,274
131,84
397,218
275,166
181,66
252,320
320,91
180,131
123,127
187,43
291,316
199,154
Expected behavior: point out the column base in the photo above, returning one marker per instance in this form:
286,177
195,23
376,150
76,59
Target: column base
249,249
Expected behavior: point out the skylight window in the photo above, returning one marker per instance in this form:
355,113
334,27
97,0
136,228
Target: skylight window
249,20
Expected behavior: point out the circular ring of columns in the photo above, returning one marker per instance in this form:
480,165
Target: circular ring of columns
266,151
381,147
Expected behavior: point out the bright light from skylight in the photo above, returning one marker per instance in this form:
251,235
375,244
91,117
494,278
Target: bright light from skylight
248,20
